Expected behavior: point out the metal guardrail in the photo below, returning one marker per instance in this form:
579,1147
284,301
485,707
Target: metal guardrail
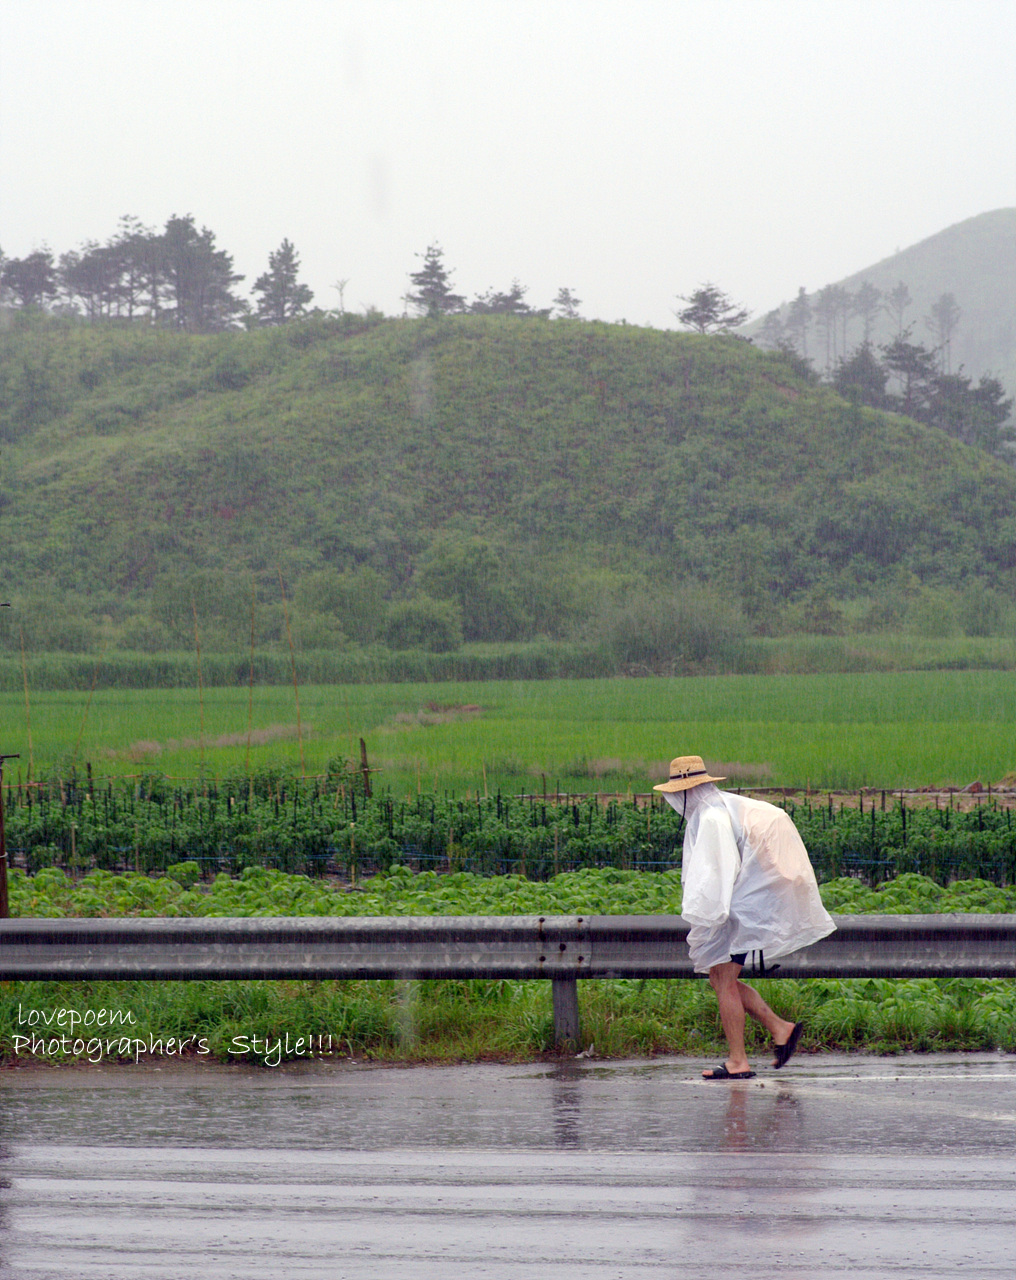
562,949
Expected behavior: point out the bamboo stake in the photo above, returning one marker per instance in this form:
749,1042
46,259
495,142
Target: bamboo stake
250,691
88,707
365,770
201,700
28,717
292,659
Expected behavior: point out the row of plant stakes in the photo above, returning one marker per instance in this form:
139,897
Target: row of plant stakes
328,826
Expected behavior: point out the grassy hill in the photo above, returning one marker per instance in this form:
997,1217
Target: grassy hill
418,482
975,260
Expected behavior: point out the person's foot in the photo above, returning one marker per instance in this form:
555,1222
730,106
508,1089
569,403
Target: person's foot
785,1049
730,1071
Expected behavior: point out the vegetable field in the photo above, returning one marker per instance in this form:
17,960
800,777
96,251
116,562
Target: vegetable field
400,891
328,826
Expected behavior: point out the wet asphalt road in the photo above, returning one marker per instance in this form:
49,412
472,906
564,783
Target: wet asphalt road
876,1168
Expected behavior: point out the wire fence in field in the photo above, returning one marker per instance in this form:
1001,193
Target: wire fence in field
327,825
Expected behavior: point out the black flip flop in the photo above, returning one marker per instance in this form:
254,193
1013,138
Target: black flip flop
784,1052
721,1073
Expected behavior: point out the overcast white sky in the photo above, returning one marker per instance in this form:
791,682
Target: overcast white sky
629,151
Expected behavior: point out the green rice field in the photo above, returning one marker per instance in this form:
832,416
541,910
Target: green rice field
823,731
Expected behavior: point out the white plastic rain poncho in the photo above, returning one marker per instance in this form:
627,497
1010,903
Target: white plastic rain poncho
747,882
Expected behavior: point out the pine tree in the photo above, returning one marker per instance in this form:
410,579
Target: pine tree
93,277
512,303
977,415
199,278
897,302
32,280
867,304
567,305
913,367
433,294
863,377
773,333
710,310
942,320
798,320
282,298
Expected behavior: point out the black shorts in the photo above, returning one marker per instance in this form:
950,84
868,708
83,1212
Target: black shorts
739,958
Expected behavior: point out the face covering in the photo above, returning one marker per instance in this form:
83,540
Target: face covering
710,861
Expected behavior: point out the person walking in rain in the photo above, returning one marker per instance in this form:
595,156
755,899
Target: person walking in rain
747,885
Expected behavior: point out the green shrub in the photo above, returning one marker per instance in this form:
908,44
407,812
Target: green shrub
186,874
425,623
933,613
142,634
354,602
983,611
671,628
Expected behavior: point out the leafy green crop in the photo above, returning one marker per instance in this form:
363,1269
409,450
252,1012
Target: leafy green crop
400,891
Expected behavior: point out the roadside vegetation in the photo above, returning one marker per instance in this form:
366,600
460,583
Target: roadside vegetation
469,1021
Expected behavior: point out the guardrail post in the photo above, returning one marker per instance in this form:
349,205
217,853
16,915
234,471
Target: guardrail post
565,995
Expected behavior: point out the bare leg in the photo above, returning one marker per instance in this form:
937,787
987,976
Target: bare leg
779,1028
735,1000
723,980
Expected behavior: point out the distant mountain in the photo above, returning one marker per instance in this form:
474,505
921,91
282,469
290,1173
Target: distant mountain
975,261
538,468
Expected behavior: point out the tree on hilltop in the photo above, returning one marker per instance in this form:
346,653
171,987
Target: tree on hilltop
199,278
798,320
942,320
913,367
832,310
32,280
897,303
977,415
432,294
138,253
567,305
122,278
867,303
512,303
773,333
862,377
282,298
710,310
92,276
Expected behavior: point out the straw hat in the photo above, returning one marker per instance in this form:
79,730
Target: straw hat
686,772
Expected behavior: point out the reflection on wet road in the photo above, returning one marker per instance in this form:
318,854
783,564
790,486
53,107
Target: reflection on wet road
876,1167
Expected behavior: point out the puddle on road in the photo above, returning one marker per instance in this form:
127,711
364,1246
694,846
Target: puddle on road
600,1172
